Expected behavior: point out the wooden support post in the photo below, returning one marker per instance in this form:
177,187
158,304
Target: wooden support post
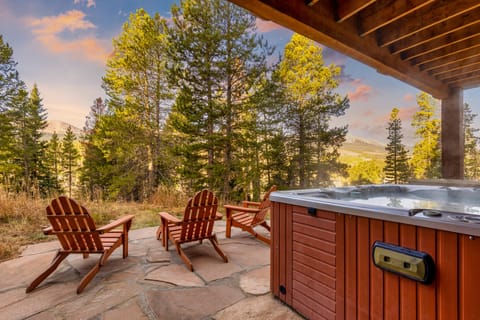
453,150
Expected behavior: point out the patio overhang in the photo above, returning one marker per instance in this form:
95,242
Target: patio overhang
433,45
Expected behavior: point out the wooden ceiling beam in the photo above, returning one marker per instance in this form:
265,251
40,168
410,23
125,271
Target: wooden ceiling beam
436,31
467,84
455,65
465,77
348,8
448,40
459,72
472,43
471,53
426,17
385,12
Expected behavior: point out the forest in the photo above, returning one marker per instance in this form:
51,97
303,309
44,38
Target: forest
195,102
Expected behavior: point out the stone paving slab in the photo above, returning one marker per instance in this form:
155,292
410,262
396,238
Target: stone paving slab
151,283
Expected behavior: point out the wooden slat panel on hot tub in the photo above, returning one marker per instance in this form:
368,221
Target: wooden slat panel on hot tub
313,264
332,276
469,277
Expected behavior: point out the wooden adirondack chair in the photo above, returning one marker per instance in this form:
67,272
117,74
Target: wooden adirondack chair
77,233
196,225
249,215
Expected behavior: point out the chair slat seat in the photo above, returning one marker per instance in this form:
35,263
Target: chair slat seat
249,215
77,234
196,225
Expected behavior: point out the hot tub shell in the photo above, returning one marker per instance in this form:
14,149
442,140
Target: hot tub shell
321,261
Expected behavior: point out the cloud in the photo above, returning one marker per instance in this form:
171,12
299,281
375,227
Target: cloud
361,93
267,26
88,3
48,30
409,97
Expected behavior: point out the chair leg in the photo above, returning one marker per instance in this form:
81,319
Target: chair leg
214,242
60,256
265,225
159,232
89,276
228,229
184,257
125,245
257,235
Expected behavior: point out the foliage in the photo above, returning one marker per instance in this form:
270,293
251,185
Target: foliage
396,168
217,61
472,151
365,172
309,104
426,152
70,157
129,135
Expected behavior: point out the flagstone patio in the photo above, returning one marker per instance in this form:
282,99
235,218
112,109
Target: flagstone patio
150,284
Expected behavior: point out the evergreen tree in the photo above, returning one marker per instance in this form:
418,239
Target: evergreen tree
53,156
218,60
29,119
130,135
396,163
94,173
365,172
308,108
70,157
12,91
472,152
426,159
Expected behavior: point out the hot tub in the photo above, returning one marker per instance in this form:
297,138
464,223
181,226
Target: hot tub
323,259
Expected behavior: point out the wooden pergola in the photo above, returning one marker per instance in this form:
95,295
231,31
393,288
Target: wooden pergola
433,45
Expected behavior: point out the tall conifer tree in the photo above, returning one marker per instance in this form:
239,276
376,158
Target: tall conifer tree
309,106
426,152
472,152
70,157
218,59
130,135
396,163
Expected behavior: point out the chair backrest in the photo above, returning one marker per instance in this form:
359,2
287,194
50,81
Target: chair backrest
73,226
264,207
199,216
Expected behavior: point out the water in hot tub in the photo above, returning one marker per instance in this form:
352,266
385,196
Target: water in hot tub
462,200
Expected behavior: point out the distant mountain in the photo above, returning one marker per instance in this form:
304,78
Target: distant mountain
60,127
357,149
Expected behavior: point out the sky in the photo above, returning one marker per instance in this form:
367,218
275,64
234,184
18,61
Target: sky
63,46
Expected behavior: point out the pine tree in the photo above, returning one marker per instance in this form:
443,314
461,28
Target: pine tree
218,60
12,91
426,152
396,163
52,163
472,151
130,135
70,157
94,173
309,106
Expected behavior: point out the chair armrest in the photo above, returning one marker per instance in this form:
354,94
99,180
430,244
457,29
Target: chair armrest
165,216
231,208
47,230
218,216
247,204
116,223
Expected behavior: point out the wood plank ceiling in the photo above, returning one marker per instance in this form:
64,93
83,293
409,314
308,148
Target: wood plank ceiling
433,45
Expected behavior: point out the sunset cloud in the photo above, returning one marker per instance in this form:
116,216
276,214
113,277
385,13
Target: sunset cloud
47,30
267,26
361,93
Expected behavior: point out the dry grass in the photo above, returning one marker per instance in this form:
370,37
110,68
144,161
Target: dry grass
22,218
